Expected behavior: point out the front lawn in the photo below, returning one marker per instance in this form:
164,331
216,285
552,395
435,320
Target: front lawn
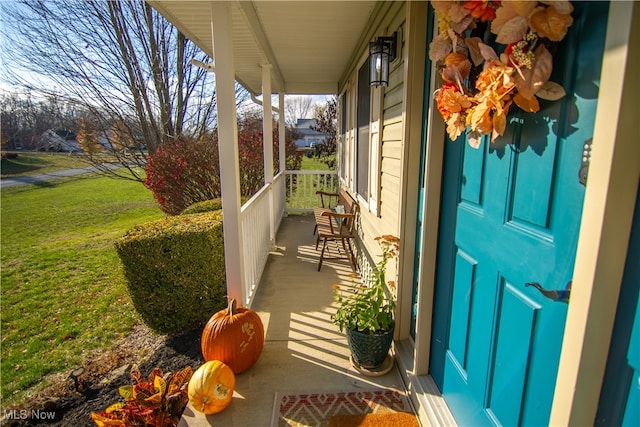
63,293
312,163
29,163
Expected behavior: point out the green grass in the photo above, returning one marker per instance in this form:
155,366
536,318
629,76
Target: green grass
63,295
34,163
310,163
304,195
63,292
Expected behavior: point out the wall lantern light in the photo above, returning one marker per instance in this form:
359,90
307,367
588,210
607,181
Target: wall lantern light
382,52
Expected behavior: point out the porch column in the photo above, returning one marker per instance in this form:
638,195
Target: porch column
267,143
228,150
267,123
282,148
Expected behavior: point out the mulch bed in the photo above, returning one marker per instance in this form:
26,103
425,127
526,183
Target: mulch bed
72,402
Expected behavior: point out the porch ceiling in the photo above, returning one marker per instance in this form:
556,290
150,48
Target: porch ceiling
308,43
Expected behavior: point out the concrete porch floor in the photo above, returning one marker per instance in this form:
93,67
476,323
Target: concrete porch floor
303,352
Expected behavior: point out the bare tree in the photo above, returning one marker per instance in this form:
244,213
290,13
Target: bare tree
120,62
23,119
14,119
297,107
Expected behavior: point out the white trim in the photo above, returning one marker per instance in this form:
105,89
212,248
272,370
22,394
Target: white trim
432,409
375,147
434,157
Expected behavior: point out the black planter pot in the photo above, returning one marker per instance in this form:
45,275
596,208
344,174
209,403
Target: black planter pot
369,351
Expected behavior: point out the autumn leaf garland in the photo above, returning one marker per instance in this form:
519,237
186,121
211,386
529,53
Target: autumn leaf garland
519,75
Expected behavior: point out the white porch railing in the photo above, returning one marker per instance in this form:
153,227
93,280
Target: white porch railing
257,232
301,187
291,191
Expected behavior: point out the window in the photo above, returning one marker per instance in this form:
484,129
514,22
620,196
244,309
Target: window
360,127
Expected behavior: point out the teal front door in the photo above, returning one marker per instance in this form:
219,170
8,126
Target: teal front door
510,216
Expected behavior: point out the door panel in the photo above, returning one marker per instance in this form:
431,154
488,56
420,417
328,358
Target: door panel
463,294
515,220
511,362
473,173
530,204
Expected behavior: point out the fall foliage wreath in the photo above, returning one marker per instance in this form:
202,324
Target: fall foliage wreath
520,74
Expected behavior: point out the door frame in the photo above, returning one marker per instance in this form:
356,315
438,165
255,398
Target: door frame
606,222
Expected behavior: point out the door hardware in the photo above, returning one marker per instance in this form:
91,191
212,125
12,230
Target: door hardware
586,160
561,295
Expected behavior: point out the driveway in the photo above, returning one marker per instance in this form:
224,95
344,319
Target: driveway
45,177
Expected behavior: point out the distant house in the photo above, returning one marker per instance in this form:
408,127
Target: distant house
59,140
309,138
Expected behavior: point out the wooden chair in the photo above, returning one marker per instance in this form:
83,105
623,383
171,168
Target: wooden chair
335,221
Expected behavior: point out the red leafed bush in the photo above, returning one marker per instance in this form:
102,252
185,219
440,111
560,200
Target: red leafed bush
182,172
251,161
251,153
185,171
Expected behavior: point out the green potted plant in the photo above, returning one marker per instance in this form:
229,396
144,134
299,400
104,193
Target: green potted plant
365,312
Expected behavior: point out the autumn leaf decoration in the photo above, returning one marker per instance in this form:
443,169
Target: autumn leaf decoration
519,75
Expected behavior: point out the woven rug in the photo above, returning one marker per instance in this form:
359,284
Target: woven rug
318,409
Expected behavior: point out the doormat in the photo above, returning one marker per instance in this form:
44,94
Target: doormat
318,409
394,419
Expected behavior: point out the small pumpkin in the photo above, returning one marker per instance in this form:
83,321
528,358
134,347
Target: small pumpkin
211,387
235,336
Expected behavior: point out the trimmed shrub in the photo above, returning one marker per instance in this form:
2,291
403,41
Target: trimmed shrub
175,270
206,206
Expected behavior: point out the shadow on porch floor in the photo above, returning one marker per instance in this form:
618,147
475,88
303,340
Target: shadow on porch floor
304,351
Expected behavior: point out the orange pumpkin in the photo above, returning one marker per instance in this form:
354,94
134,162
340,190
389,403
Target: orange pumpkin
211,387
234,336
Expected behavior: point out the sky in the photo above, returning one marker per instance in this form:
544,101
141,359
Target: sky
7,27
